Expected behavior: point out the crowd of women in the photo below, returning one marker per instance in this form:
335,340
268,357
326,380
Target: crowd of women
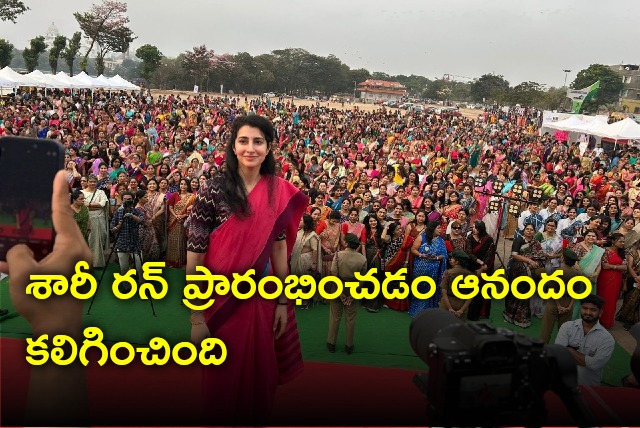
405,183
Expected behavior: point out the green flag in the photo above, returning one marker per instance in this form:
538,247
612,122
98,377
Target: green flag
579,96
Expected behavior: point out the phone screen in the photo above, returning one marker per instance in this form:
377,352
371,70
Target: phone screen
27,169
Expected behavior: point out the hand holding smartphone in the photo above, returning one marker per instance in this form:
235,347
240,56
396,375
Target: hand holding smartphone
27,169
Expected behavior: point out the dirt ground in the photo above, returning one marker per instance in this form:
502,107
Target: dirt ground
469,113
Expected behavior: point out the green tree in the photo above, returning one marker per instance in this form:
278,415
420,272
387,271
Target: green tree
11,9
71,52
59,43
107,26
554,98
6,53
610,85
527,94
415,85
32,53
151,58
434,88
489,86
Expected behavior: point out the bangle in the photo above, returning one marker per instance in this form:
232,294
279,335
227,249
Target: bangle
283,303
197,323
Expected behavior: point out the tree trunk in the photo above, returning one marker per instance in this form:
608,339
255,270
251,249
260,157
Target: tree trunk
100,64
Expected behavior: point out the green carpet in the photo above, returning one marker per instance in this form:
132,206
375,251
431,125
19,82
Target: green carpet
382,339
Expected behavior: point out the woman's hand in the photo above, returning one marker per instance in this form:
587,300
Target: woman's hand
280,321
199,332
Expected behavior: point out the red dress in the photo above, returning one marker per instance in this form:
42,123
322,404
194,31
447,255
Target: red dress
609,285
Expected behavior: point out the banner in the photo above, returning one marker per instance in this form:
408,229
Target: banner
579,96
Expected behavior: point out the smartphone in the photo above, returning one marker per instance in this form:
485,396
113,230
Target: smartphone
27,169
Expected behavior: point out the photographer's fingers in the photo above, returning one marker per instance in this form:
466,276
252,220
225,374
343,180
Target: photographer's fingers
22,263
4,267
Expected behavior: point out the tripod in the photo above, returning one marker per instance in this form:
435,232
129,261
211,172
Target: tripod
494,246
113,248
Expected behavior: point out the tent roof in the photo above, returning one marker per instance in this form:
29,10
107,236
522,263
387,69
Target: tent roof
566,124
70,81
47,80
124,82
626,129
84,78
17,78
588,127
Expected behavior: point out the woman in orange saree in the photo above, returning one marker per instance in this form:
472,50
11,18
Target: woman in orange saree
248,208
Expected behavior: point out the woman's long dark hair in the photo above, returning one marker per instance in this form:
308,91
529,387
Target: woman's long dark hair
235,193
614,237
307,223
367,226
429,230
481,228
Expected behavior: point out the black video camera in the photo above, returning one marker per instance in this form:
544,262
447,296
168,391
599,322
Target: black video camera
127,206
483,376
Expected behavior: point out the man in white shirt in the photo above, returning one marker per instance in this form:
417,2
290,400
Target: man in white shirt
551,210
589,343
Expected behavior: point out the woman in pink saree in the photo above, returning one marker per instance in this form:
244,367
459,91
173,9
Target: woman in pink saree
246,219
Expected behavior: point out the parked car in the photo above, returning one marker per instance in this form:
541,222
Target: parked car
269,95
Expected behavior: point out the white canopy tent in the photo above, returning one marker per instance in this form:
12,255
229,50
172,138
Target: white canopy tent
127,85
17,78
588,127
71,82
47,80
626,129
101,82
85,79
566,124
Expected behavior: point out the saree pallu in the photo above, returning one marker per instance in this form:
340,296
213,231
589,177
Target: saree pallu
149,239
241,391
431,268
609,286
301,263
629,313
177,233
394,261
518,311
98,236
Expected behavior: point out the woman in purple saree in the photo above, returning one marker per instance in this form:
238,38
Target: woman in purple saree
246,219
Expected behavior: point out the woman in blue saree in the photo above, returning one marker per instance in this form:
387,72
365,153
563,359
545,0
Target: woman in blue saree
430,260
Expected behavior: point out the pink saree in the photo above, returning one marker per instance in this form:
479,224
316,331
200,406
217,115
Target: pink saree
242,389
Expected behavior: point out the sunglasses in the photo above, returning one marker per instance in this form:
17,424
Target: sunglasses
456,228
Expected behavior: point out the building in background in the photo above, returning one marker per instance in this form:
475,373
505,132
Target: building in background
630,94
373,91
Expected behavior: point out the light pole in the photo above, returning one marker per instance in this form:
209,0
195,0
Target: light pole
354,91
566,72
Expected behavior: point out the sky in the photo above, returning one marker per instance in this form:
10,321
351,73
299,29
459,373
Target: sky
523,40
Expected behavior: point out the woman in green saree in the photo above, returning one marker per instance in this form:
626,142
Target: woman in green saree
590,257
